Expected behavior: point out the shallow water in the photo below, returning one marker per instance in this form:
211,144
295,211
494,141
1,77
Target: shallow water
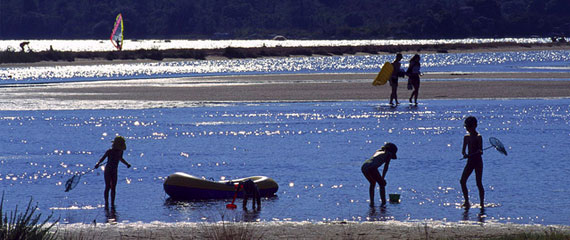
313,150
531,61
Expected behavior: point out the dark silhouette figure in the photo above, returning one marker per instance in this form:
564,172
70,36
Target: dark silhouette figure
473,142
115,155
250,190
413,73
119,45
394,78
24,44
370,170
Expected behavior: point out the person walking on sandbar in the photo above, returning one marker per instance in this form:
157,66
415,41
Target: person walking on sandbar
397,72
413,73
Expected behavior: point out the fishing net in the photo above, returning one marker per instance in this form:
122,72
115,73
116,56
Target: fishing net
495,143
498,145
72,182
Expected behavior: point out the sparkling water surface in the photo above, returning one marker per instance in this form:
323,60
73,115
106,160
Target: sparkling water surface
527,61
313,150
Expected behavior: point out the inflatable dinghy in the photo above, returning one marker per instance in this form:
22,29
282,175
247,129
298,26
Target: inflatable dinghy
185,186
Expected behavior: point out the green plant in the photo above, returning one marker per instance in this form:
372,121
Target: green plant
27,225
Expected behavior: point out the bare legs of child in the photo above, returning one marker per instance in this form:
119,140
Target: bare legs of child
478,167
373,177
110,185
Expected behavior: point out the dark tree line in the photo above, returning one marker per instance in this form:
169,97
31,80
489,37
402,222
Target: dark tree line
310,19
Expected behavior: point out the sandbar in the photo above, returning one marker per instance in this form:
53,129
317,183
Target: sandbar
300,87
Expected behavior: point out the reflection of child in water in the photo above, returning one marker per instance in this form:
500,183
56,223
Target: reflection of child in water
473,142
115,155
250,190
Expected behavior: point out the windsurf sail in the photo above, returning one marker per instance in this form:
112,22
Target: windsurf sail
117,34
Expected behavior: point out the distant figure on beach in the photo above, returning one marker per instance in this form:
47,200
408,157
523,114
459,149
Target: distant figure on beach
250,190
370,170
394,78
473,142
114,155
413,73
24,44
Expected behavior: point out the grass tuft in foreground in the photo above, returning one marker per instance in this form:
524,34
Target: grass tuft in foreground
236,229
26,225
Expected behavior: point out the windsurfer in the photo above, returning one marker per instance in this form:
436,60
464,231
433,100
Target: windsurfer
119,45
117,34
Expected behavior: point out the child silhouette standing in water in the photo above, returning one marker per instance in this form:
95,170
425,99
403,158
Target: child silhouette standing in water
473,142
115,155
370,170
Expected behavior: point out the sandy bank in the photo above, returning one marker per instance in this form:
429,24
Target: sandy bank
298,87
305,230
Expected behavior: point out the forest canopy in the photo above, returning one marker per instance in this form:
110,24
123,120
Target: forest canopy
295,19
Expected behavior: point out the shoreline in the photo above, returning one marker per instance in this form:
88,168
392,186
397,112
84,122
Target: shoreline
311,230
60,58
295,87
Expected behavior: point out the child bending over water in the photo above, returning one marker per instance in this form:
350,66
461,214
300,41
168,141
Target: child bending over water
370,170
473,142
250,190
115,155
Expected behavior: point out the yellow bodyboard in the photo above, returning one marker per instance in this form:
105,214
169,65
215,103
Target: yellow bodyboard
384,74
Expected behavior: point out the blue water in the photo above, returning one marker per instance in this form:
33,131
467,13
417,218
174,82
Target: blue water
528,61
313,150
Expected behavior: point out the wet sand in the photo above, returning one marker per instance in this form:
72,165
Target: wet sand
306,230
301,87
